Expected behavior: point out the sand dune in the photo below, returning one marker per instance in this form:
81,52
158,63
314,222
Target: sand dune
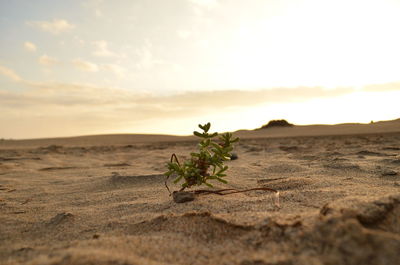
323,130
126,139
102,200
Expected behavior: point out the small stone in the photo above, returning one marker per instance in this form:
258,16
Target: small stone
182,196
60,218
389,172
234,156
25,249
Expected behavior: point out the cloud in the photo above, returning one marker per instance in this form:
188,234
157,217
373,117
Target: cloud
239,98
29,46
47,60
383,87
71,94
85,65
56,26
146,59
88,107
10,74
102,50
115,69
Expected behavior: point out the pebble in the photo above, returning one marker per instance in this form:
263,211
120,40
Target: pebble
182,196
389,172
234,156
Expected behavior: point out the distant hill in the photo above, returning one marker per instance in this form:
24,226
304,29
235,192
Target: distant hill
276,123
392,126
379,127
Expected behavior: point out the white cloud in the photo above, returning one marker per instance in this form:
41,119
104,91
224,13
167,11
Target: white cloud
29,46
115,69
102,50
82,107
146,59
55,27
85,65
10,74
47,60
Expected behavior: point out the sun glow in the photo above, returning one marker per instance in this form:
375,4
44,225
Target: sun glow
341,44
93,67
370,106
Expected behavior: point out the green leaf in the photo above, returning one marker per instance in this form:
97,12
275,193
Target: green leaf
228,149
178,179
209,185
213,135
235,140
222,170
168,173
214,169
198,134
207,127
217,151
222,180
216,145
175,167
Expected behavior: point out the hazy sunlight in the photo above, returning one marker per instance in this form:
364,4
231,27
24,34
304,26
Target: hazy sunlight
163,66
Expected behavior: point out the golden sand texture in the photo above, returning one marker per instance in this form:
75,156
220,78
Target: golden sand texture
89,201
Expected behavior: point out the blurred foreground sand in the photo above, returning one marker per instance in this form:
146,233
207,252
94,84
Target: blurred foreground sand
102,200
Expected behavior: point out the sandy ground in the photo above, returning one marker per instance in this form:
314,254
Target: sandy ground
102,200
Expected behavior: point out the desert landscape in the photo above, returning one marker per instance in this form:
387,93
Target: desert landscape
102,200
102,161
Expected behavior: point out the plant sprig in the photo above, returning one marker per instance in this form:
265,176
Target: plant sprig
206,164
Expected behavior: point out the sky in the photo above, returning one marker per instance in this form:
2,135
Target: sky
70,67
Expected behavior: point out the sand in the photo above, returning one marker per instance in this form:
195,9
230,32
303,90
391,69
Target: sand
102,200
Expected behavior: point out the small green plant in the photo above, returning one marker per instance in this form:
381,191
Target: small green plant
205,165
